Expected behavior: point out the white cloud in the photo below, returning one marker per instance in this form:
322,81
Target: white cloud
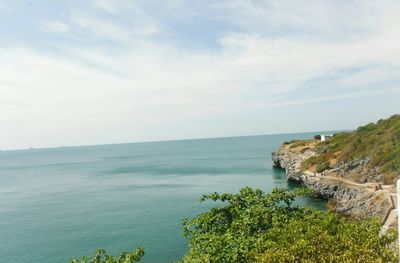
372,76
55,27
144,87
113,6
140,28
150,89
101,28
342,96
148,30
323,20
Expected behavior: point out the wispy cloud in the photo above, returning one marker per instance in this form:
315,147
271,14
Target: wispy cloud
55,27
262,62
113,6
395,91
101,28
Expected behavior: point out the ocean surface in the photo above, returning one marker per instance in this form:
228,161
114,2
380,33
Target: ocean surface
64,202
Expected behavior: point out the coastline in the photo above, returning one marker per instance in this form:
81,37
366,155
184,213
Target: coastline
347,197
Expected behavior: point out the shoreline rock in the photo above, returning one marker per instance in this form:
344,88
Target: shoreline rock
355,199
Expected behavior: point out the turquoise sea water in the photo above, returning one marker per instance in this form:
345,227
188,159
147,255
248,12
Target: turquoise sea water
63,202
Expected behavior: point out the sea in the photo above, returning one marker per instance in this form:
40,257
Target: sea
60,203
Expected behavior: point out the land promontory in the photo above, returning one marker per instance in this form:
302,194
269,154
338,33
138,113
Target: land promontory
356,171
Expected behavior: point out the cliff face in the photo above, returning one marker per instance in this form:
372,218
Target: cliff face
347,197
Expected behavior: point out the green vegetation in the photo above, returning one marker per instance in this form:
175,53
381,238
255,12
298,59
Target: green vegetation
322,167
380,142
252,226
317,137
303,150
102,257
298,143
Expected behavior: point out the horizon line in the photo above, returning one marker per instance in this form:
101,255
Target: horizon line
166,140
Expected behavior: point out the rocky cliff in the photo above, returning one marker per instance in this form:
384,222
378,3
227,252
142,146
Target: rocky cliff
346,196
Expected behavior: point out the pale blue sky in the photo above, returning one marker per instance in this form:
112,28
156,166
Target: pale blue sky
102,71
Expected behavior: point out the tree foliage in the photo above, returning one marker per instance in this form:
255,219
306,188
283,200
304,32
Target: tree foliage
252,226
102,257
317,137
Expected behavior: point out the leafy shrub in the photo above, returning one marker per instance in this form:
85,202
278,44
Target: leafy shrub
304,149
325,237
101,257
322,167
317,137
252,226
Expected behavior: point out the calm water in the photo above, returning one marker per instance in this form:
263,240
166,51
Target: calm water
64,202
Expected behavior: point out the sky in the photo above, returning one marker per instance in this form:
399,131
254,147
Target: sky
113,71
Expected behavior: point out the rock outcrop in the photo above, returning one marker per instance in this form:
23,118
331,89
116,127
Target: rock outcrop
348,197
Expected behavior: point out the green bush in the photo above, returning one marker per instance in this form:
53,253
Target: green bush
325,237
252,226
101,257
304,149
322,167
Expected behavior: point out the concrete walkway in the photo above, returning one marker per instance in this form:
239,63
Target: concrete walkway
391,217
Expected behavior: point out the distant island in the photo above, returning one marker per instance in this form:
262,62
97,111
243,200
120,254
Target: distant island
356,171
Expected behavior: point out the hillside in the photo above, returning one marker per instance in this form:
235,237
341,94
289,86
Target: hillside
356,171
369,154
